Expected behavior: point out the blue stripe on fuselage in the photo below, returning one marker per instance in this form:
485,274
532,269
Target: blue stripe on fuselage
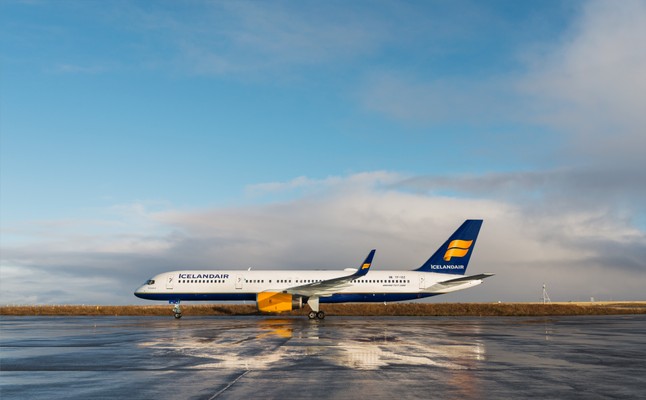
198,296
336,298
373,297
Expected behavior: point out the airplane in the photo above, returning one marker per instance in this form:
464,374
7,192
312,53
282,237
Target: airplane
286,290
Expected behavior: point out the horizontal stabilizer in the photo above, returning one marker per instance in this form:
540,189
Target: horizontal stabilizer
468,278
444,285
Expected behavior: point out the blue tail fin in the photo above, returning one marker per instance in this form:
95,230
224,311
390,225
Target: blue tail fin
453,256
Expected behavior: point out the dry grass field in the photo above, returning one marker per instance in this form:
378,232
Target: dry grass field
390,309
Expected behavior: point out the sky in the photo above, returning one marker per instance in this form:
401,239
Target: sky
140,137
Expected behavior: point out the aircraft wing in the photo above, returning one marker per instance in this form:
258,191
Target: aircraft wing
457,281
331,286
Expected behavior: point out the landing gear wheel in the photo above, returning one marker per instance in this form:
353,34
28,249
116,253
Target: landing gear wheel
312,315
320,315
177,310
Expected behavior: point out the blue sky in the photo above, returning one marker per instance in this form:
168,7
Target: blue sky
140,135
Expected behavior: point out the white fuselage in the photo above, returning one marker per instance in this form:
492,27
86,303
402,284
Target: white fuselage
244,285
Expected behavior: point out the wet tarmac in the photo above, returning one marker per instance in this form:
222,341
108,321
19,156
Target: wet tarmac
340,357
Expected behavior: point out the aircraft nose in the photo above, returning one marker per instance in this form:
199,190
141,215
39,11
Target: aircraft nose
140,290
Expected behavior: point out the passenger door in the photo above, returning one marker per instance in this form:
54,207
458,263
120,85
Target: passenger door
170,279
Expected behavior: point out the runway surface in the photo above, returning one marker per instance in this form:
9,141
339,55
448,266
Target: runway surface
340,357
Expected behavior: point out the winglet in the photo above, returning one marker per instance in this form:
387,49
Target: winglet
365,266
331,286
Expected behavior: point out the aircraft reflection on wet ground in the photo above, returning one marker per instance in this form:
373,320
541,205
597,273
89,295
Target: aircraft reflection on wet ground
340,357
364,346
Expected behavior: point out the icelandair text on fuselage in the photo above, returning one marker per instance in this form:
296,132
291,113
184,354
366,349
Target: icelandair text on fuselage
203,276
438,266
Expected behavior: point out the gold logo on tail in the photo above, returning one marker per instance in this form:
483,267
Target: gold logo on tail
366,265
457,248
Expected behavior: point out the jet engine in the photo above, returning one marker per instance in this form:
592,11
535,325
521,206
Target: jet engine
278,302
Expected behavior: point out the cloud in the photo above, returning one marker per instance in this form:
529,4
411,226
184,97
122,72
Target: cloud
416,99
248,38
577,226
80,69
578,252
579,203
591,85
303,184
614,191
588,87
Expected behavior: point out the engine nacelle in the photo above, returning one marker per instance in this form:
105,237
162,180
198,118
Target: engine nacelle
278,302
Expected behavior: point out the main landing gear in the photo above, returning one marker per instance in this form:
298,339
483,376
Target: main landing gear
313,302
316,315
176,310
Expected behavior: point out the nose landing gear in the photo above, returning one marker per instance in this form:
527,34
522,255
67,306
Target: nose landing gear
176,310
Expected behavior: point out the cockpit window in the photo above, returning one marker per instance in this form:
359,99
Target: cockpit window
150,282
